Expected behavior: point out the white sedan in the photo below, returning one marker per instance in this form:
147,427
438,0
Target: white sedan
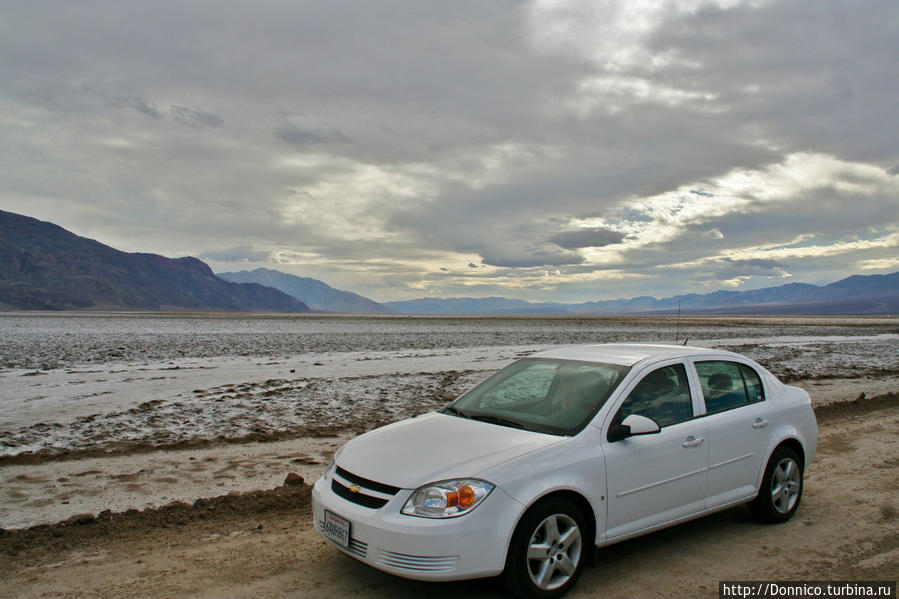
567,449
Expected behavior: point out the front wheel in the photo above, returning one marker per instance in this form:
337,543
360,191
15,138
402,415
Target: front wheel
781,489
548,551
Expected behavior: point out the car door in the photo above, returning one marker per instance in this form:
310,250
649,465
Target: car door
658,477
738,420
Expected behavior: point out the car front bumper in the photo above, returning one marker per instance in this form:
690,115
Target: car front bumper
469,546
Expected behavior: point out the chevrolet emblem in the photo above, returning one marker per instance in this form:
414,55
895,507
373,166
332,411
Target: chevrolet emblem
354,488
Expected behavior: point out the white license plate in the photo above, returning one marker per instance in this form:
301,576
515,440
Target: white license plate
337,529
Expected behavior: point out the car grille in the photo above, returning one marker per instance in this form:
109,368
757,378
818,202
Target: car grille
357,547
368,484
358,497
418,563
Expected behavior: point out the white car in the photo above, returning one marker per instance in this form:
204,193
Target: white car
567,449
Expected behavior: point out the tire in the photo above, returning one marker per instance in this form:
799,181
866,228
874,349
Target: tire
781,488
548,550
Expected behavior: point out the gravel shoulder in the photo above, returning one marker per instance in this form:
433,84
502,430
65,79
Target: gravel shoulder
261,543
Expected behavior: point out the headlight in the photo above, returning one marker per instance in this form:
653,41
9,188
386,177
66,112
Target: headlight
447,499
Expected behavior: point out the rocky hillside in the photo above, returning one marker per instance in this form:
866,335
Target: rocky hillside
45,267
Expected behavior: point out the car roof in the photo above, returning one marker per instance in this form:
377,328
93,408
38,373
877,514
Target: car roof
624,354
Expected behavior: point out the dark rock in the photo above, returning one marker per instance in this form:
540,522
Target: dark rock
294,479
80,519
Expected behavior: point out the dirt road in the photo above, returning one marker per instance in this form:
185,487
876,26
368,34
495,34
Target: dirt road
263,545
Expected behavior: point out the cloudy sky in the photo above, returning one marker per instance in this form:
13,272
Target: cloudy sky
548,150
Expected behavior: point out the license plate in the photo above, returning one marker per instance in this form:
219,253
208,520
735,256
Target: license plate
337,529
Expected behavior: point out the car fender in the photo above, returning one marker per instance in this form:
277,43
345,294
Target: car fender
532,477
784,432
796,422
537,494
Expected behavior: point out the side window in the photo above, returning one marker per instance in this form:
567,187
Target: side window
727,385
753,383
663,395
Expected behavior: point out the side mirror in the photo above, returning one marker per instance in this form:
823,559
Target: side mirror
641,425
631,426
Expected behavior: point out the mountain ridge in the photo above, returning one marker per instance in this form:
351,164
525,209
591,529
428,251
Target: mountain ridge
856,294
317,294
45,267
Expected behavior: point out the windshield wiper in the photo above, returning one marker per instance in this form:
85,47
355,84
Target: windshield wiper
491,418
456,411
498,420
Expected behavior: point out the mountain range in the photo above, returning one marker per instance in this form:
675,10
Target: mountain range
318,295
45,267
871,294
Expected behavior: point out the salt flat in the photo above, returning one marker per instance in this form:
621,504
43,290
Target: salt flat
129,411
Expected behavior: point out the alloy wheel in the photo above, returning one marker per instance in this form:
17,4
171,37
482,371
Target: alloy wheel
785,485
554,551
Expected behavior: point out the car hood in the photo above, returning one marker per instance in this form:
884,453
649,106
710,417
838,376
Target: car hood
434,447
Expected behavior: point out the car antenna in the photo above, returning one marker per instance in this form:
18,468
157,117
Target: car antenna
677,328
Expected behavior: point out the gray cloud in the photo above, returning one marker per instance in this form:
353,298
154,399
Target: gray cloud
195,118
729,269
368,145
799,77
300,136
528,256
146,108
584,238
241,253
755,263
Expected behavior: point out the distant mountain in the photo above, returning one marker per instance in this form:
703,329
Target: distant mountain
871,294
45,267
468,305
318,295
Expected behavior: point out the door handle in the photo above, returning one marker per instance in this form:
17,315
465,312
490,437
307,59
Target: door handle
692,441
760,423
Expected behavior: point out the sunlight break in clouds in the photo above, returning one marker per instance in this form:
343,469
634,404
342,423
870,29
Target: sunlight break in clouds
664,217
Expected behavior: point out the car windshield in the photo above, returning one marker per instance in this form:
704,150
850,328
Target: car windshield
541,394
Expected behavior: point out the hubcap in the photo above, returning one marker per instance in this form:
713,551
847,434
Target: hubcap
785,485
554,551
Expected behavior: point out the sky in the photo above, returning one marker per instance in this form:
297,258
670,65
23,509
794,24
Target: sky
552,150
